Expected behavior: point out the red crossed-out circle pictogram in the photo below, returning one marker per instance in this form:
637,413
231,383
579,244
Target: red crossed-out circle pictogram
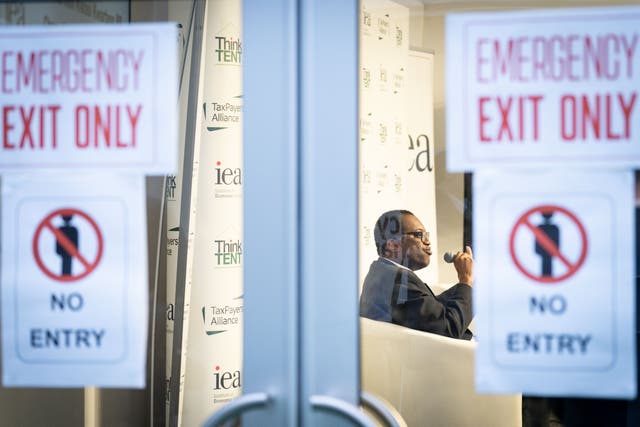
543,240
67,244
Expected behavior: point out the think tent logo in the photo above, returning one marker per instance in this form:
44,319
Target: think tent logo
384,26
170,188
366,22
228,253
399,36
227,45
227,249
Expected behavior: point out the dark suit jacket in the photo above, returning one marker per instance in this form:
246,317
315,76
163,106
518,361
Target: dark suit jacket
397,295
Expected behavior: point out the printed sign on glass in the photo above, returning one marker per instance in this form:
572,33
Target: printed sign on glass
546,87
74,281
555,283
95,97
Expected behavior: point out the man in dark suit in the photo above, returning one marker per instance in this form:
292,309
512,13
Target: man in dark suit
392,292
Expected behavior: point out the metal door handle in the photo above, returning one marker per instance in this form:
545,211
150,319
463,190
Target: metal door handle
375,404
343,408
236,406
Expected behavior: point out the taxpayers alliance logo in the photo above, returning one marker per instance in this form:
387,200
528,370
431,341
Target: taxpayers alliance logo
222,317
220,114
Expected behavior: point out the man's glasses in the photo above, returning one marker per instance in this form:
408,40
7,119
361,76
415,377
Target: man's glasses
422,235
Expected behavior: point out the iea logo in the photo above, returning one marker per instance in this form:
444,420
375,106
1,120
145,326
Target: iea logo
225,380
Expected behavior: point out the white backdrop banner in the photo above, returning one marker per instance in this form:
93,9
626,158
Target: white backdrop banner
173,189
396,127
546,87
213,311
420,191
555,288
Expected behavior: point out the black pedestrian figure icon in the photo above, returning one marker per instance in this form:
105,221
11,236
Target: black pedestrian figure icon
553,233
71,233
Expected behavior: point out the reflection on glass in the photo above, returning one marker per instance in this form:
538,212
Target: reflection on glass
392,292
405,282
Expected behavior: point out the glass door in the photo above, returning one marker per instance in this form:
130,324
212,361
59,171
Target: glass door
300,214
300,346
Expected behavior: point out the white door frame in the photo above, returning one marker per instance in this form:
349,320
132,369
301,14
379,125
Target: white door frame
301,345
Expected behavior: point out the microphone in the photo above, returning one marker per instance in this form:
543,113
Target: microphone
448,257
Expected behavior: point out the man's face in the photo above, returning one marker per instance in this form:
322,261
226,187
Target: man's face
416,253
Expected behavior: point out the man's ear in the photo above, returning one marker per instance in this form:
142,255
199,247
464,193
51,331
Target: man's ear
392,248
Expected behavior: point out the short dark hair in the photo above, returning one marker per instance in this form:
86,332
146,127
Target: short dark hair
388,226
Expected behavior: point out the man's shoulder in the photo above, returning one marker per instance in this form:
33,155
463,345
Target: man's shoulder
387,264
380,270
384,271
382,265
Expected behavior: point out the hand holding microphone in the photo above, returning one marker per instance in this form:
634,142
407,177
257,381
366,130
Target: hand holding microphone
463,263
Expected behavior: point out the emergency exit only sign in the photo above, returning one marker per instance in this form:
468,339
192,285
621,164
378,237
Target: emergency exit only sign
544,88
92,97
555,283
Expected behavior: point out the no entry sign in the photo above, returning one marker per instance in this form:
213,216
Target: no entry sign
74,285
67,244
554,287
547,244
